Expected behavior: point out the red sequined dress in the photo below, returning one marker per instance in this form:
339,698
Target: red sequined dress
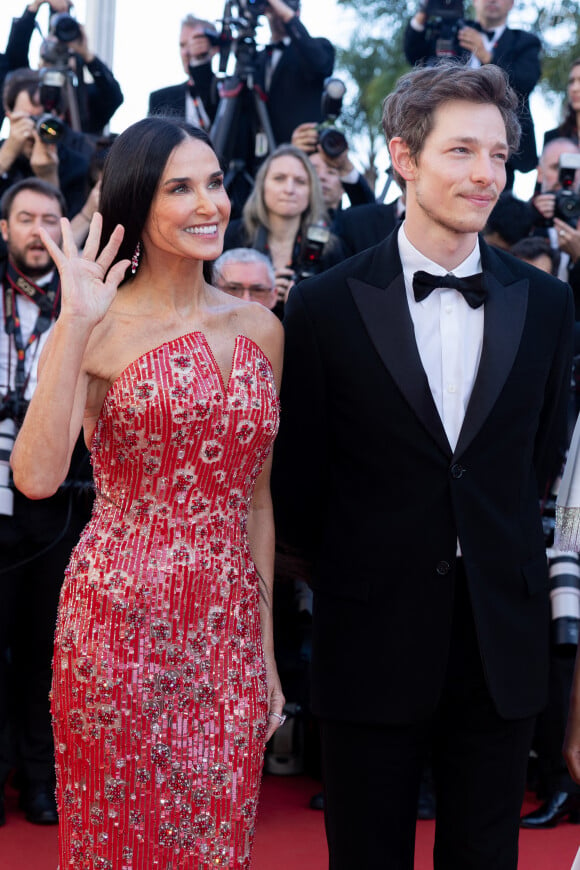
159,689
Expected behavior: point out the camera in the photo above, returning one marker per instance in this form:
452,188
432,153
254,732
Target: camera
330,138
564,569
444,21
317,235
11,415
567,199
49,126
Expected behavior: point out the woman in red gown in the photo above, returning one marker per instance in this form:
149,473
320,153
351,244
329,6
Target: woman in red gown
165,687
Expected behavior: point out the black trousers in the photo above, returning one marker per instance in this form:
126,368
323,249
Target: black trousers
35,546
372,774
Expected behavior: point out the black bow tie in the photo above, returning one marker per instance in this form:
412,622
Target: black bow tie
471,286
489,33
270,49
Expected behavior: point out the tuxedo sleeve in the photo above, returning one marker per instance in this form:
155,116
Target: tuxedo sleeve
299,467
416,46
18,44
315,54
520,60
551,439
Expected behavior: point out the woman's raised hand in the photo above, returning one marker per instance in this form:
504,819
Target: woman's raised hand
89,281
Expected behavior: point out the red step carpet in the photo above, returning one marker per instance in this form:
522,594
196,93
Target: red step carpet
289,836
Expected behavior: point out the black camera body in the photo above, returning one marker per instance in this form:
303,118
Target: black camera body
317,235
330,138
444,21
567,206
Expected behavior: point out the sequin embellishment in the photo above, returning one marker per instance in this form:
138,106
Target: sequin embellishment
159,692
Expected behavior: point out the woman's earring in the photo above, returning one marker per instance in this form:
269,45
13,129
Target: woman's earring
135,258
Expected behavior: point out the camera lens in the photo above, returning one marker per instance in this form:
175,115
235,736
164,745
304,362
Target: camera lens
333,142
65,27
50,128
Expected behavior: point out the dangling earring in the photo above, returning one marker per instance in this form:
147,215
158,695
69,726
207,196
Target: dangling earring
135,258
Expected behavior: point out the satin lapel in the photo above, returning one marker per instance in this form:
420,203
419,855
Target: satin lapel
385,314
504,317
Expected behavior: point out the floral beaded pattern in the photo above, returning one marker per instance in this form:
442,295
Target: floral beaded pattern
159,691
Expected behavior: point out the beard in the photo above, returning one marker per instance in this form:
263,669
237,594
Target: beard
31,271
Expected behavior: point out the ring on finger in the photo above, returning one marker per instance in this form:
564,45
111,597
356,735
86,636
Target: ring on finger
281,718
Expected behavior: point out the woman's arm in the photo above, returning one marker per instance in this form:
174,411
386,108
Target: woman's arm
262,543
42,451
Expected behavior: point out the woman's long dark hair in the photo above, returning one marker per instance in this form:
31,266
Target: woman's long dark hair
132,172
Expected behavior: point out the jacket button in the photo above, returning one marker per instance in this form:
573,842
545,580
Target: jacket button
443,567
457,471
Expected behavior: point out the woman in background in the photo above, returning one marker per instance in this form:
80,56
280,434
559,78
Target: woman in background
285,218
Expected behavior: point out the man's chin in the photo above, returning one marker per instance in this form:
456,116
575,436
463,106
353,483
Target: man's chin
36,269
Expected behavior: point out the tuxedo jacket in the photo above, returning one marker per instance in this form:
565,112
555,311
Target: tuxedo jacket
518,54
295,91
171,100
362,226
367,487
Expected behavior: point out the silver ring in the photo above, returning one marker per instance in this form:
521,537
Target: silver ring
563,234
280,718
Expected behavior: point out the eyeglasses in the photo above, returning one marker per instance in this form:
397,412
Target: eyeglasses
257,290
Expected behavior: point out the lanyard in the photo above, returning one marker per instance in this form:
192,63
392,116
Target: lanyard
47,300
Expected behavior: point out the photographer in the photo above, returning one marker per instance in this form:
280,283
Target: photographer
97,100
196,99
488,39
549,220
25,153
36,537
336,172
292,69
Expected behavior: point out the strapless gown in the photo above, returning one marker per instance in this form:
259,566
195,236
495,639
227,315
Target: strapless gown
159,693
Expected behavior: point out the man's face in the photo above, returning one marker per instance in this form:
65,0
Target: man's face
459,174
330,183
492,13
30,211
549,166
194,46
250,281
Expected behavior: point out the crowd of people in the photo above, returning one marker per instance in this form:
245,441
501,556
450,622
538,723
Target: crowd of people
161,287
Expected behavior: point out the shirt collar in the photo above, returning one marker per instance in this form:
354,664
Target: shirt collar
413,261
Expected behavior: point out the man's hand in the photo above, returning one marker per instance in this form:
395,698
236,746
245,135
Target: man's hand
81,46
55,5
279,8
305,137
545,204
19,140
44,161
472,40
568,239
342,163
285,280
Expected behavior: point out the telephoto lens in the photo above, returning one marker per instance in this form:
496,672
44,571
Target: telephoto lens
7,436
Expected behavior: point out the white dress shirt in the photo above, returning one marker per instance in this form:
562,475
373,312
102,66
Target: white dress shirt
449,335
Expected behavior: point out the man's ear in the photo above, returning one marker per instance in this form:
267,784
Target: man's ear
4,229
401,158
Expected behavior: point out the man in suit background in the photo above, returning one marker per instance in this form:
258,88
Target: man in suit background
415,430
292,69
488,39
196,99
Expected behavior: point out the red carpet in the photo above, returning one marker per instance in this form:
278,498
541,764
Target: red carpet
289,836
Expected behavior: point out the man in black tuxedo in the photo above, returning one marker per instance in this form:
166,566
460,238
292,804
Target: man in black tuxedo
195,100
292,69
416,427
488,39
